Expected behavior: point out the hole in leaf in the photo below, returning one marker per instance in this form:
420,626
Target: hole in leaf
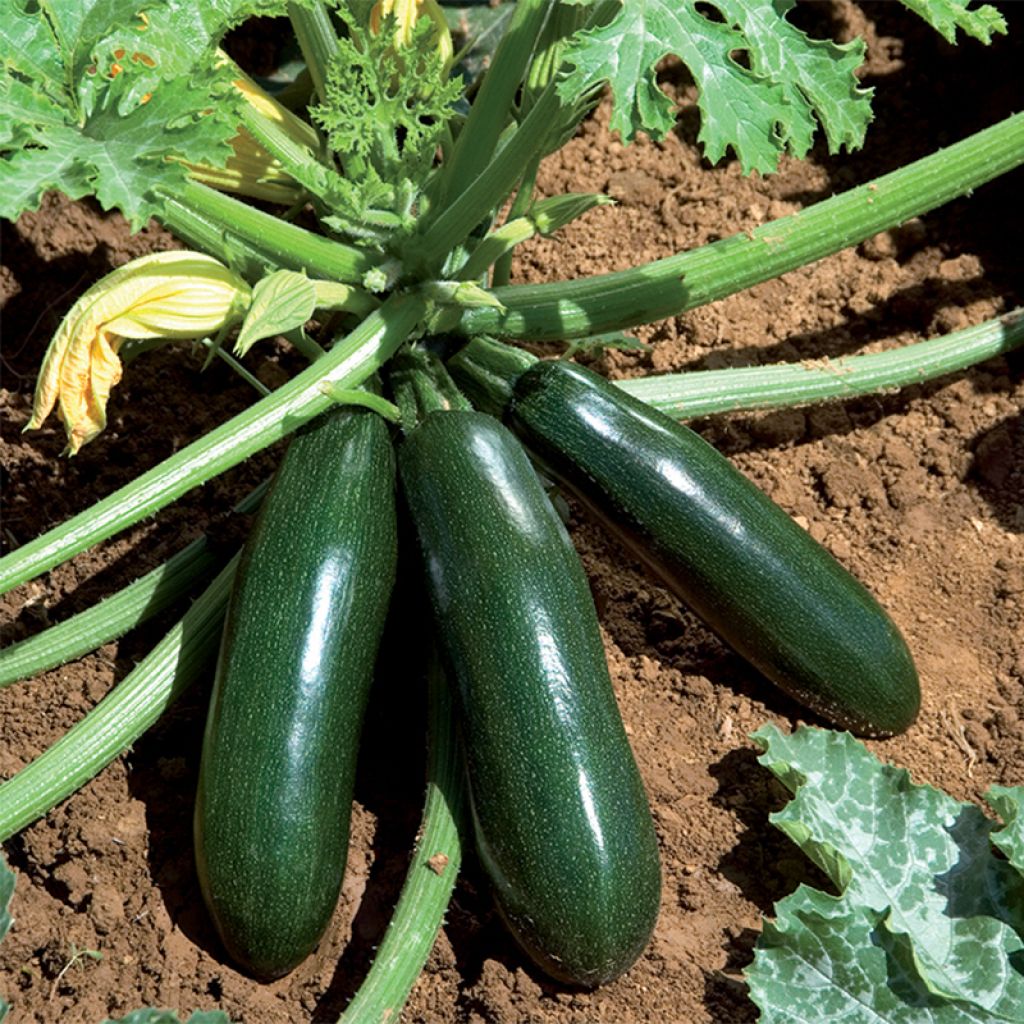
740,57
710,12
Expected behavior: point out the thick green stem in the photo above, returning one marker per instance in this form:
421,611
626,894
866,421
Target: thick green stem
606,302
296,157
122,716
317,40
421,385
413,927
524,197
701,393
116,615
256,242
493,104
347,365
487,370
487,191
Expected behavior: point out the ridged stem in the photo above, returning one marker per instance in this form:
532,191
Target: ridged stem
345,366
317,40
487,369
607,302
116,615
256,242
122,716
421,385
420,910
703,392
441,234
493,104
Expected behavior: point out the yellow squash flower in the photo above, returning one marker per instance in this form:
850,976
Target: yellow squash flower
251,170
177,294
406,13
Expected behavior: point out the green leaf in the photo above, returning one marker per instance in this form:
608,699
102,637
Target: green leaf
385,114
764,85
6,891
153,1016
280,301
1008,803
97,103
919,880
946,16
825,960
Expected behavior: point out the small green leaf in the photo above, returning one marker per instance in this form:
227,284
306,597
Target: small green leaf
548,215
946,16
915,867
385,113
1008,803
280,301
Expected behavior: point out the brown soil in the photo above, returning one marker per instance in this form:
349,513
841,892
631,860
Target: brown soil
919,493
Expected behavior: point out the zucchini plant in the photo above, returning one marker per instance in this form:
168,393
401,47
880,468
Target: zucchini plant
389,187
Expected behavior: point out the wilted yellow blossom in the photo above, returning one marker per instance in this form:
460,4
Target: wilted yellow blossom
406,13
177,294
251,170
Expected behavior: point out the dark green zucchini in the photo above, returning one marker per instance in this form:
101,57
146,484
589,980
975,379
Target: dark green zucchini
753,575
562,824
295,667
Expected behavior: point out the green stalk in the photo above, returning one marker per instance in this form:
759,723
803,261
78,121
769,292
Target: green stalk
607,302
502,272
488,190
215,348
701,393
417,918
116,615
347,365
122,716
256,242
547,55
297,159
497,244
494,101
487,370
317,40
421,385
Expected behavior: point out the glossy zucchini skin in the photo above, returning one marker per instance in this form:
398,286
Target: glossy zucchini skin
752,574
294,672
561,820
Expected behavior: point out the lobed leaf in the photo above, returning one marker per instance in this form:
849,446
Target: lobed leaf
763,85
93,103
385,113
946,16
825,960
1008,803
928,915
